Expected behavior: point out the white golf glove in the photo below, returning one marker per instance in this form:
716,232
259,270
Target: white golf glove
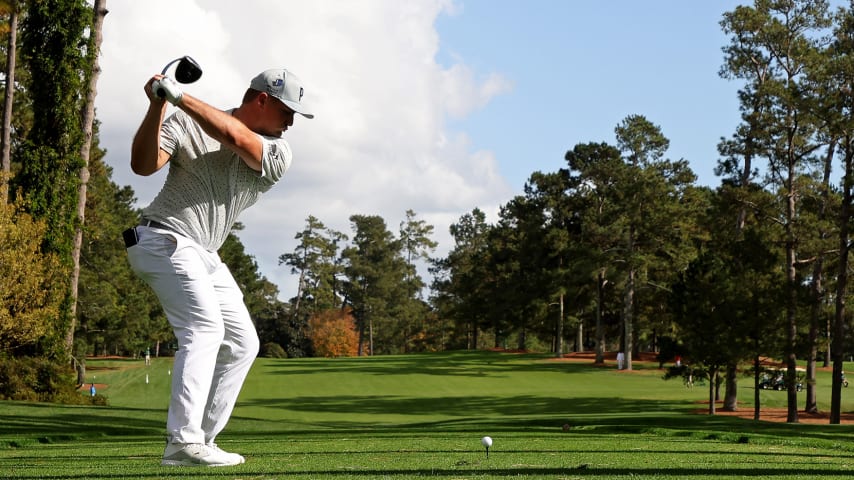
168,89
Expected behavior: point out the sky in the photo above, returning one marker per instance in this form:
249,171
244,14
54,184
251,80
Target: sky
438,106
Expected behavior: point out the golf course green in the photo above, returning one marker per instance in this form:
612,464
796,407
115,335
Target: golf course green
423,415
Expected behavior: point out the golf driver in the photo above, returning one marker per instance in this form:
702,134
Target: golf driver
187,71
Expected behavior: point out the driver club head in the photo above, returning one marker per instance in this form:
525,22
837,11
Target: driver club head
187,71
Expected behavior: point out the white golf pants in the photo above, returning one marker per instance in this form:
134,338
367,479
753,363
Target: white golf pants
217,342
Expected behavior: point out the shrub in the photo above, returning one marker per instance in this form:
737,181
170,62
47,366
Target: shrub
41,380
273,350
333,333
30,280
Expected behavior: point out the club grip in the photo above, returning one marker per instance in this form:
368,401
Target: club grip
167,89
158,90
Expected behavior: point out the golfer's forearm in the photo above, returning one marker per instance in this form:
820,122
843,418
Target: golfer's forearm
226,129
145,157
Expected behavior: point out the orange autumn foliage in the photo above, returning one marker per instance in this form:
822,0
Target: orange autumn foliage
333,333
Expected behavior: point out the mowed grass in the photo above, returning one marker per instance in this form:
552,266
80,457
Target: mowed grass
414,416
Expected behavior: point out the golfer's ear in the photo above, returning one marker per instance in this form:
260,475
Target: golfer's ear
262,99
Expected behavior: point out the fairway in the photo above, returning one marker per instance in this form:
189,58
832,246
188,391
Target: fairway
423,415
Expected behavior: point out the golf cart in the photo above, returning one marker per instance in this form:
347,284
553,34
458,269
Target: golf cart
775,379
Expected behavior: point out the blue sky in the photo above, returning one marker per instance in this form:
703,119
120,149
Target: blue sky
439,106
579,67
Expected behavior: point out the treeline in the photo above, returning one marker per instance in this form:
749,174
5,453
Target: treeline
622,248
622,242
619,250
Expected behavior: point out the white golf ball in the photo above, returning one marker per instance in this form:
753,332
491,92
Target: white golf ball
486,441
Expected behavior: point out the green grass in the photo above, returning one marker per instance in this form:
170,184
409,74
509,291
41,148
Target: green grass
423,415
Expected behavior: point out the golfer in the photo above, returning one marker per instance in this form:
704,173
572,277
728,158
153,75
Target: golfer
220,162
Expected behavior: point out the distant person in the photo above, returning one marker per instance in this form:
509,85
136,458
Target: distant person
92,390
147,358
220,162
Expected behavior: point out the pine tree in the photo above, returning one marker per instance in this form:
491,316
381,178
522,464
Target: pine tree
53,48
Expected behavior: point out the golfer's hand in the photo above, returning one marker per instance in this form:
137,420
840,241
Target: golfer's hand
165,87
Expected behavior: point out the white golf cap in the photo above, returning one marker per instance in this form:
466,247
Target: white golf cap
283,85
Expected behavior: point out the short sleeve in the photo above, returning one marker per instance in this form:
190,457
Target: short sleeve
170,133
276,159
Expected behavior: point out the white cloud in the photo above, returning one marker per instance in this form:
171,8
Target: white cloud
463,94
379,142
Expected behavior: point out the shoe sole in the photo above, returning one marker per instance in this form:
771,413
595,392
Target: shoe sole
190,463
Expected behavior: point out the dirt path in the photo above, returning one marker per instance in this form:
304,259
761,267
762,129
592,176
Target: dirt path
780,414
98,387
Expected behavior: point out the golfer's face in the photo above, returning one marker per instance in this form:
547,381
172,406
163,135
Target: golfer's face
278,117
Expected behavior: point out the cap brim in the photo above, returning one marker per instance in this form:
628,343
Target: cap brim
297,108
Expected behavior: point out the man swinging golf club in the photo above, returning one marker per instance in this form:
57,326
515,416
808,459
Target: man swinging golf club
220,162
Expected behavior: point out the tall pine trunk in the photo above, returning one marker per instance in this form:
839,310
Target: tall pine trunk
757,369
731,390
628,306
628,311
559,342
713,375
88,120
791,301
600,331
9,97
839,319
817,286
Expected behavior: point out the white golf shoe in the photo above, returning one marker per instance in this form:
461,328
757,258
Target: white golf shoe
238,459
198,455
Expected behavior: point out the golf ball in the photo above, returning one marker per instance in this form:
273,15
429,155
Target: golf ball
486,441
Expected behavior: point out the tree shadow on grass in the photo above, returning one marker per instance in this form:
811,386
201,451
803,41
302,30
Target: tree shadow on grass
49,423
463,363
460,406
584,415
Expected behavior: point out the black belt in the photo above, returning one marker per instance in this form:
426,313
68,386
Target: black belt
153,224
130,236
